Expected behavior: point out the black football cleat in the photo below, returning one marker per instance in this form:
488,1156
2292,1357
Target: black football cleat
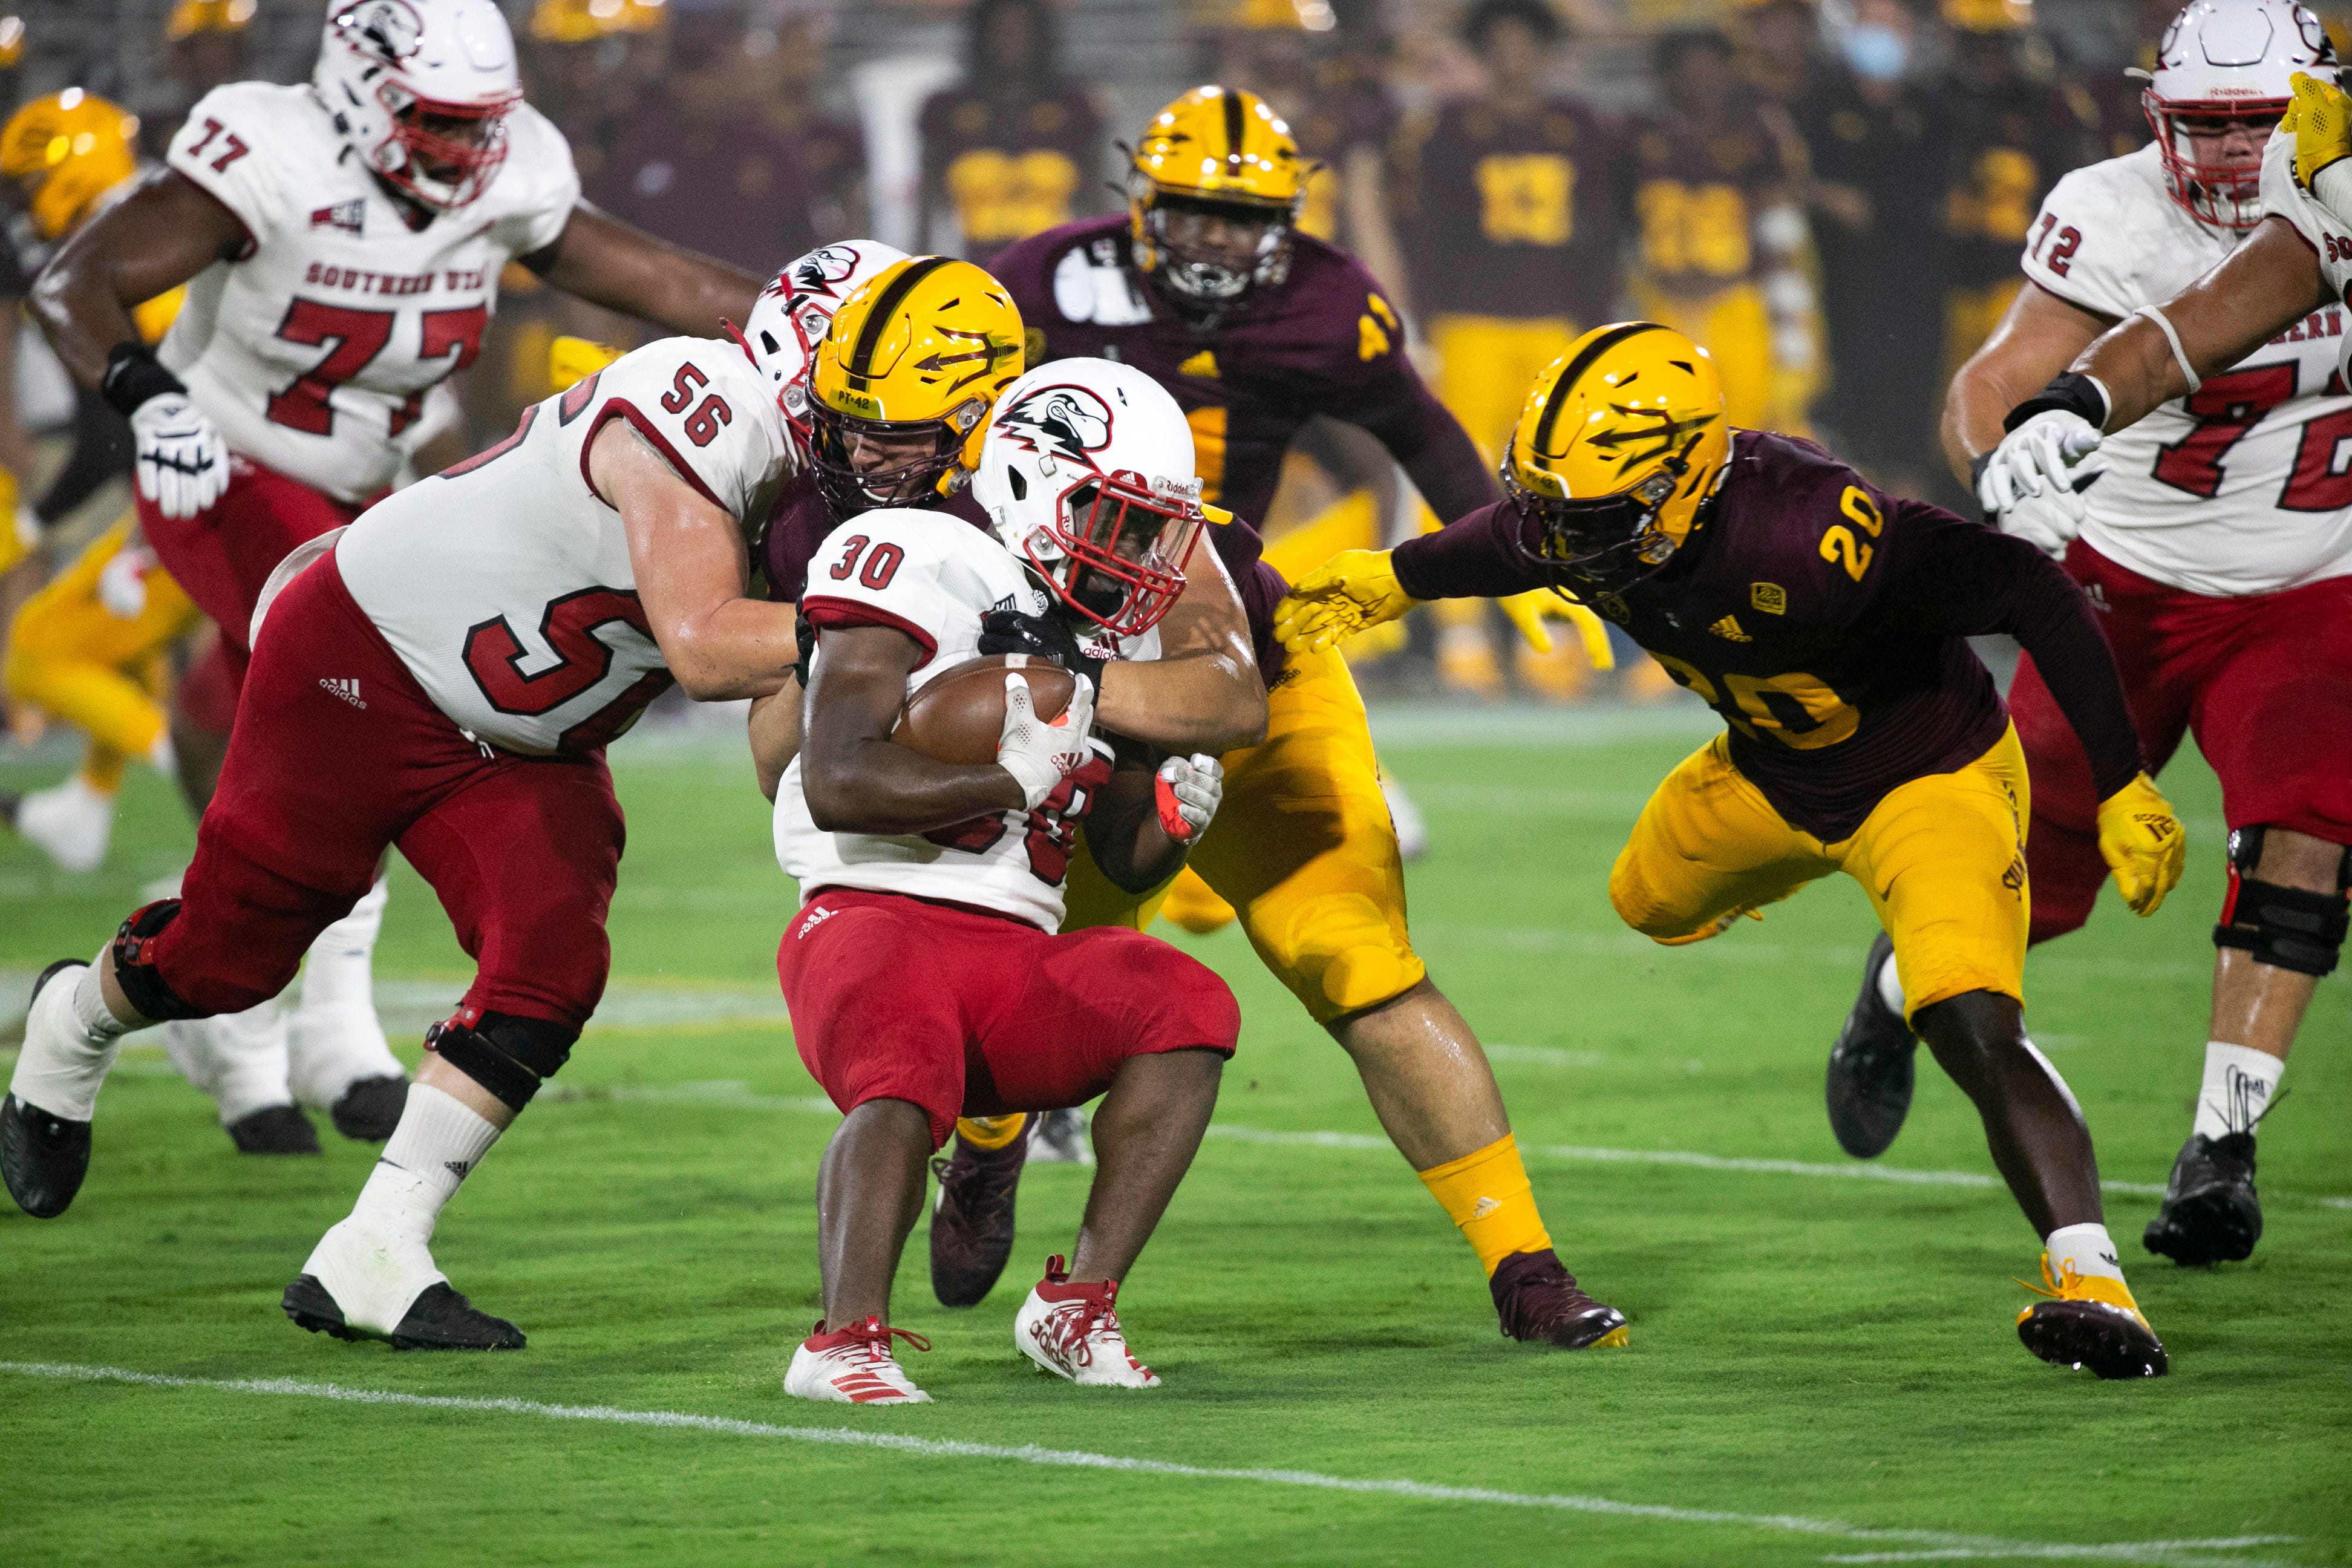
439,1320
43,1158
971,1223
371,1109
1059,1138
1871,1066
274,1130
2211,1214
1537,1303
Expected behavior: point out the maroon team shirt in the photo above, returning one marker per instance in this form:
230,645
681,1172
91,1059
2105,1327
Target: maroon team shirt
1824,620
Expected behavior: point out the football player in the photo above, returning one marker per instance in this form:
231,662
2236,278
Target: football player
443,675
1205,286
1825,621
2187,301
343,241
904,863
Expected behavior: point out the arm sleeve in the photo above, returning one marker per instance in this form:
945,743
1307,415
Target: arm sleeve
1474,557
703,406
1963,579
226,147
101,451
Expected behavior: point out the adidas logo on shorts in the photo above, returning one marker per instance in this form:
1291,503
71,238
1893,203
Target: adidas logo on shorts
349,690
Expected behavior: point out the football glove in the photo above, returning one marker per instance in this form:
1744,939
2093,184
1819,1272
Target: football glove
2320,120
182,461
2043,455
1046,636
2044,521
1187,793
1039,752
1352,592
2142,843
1528,610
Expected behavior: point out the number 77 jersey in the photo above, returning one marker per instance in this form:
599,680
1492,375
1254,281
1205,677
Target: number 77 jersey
2245,485
504,582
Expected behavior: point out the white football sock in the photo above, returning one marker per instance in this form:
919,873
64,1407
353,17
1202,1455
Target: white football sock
71,1041
238,1059
2239,1081
438,1140
163,758
1890,987
337,1040
2087,1247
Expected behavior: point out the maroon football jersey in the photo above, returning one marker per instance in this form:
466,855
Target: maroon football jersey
1825,621
1519,217
1697,196
1012,170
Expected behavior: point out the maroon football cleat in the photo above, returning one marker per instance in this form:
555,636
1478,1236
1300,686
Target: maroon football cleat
1538,1300
971,1224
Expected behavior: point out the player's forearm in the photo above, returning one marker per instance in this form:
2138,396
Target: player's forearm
1982,393
739,647
80,309
1444,464
1125,838
1210,702
2136,366
1471,558
877,786
606,262
774,730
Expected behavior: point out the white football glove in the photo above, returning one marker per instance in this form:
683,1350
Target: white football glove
1038,753
182,461
2044,456
1187,793
2049,521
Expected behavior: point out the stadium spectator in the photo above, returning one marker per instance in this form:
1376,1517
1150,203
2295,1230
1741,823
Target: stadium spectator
1518,210
1879,148
1015,147
786,60
2014,133
205,44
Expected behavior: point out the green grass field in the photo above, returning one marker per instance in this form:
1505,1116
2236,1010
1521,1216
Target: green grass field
1823,1366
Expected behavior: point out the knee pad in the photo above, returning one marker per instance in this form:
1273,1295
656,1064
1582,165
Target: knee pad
2286,928
508,1055
134,965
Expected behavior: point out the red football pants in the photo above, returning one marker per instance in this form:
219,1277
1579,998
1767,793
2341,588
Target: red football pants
224,554
967,1013
341,754
2264,682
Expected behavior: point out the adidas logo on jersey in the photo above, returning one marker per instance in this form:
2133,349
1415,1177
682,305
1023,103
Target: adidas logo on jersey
350,217
1728,629
349,690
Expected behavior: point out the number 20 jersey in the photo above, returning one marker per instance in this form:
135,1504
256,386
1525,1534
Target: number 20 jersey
504,582
2241,487
314,351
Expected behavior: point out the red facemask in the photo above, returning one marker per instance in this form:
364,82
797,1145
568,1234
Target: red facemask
463,167
1125,592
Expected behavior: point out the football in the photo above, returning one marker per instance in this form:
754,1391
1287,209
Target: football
959,714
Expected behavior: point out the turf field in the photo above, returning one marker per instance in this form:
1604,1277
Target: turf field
1822,1367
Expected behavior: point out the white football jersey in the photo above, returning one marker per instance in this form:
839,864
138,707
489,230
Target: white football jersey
933,577
504,582
2245,486
315,351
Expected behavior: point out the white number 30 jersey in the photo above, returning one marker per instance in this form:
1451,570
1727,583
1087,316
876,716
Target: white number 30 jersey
314,351
504,582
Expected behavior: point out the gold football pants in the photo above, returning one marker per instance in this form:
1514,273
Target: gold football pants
1486,366
78,661
1302,847
1942,857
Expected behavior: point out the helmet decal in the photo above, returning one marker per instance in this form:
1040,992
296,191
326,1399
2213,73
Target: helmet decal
1060,421
389,30
823,271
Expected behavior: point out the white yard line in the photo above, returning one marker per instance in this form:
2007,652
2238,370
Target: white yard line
2167,1553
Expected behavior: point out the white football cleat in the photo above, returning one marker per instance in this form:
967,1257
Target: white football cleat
377,1285
1072,1332
854,1366
70,823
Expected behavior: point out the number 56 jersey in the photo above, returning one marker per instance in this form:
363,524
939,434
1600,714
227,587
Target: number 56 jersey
504,582
2243,486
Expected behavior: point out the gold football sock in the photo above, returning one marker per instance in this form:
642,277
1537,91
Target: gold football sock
989,1133
1487,1194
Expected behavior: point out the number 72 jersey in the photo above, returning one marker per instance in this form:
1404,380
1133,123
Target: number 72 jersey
2245,485
504,582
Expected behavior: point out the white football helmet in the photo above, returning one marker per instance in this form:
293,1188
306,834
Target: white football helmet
1087,474
2223,60
420,91
796,308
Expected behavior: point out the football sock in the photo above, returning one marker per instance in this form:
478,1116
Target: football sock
989,1133
340,968
1488,1195
1890,987
91,1011
439,1141
2086,1247
62,1077
2239,1081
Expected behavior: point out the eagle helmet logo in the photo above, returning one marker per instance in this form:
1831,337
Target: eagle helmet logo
391,30
1059,422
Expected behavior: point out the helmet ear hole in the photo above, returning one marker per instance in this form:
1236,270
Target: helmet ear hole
1019,486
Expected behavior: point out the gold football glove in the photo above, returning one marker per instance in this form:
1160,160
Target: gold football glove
2142,843
572,359
1352,592
2320,119
1528,610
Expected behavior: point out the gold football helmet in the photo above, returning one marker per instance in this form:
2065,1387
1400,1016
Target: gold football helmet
903,382
190,17
67,150
1622,444
1212,197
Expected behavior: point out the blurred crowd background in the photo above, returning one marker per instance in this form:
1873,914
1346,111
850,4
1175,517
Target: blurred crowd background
1831,195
